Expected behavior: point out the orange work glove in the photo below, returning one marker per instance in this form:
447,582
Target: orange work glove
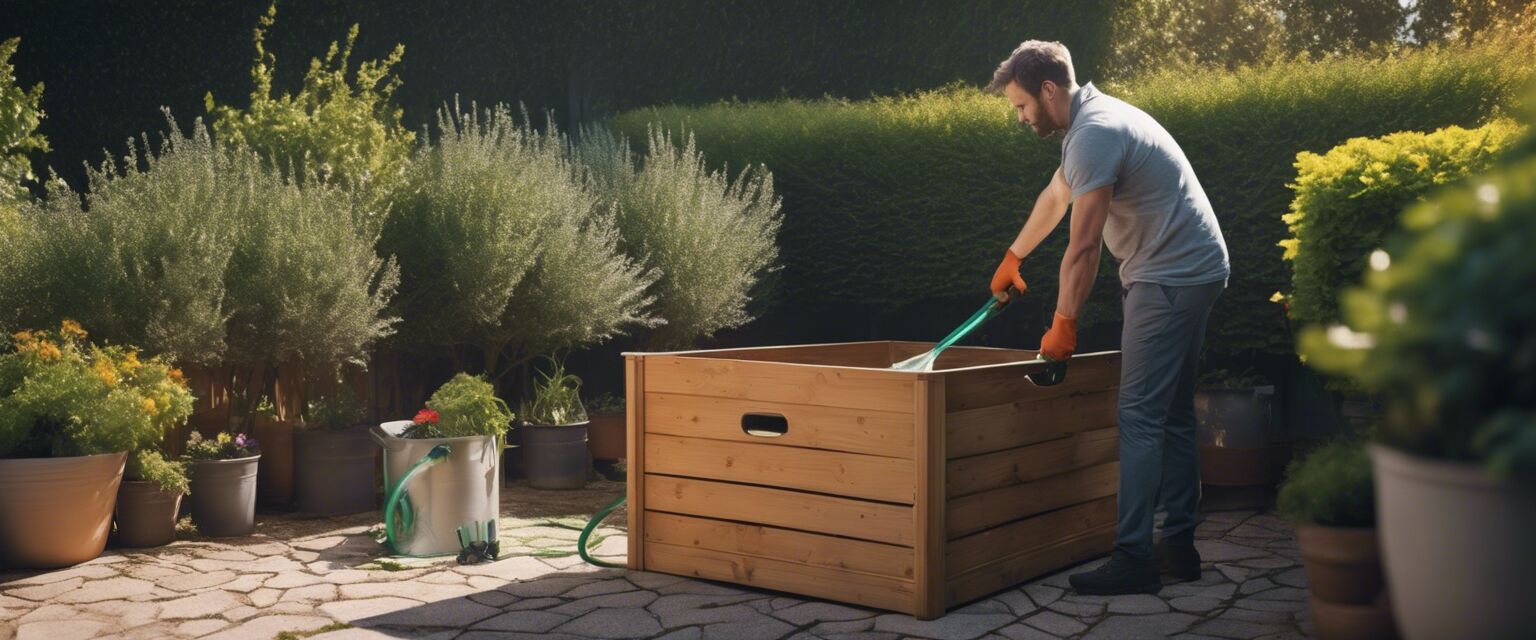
1060,340
1008,274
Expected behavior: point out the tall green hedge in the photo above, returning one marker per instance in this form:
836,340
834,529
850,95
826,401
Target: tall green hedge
891,203
1349,198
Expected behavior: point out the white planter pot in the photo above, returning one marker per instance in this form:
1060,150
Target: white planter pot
1459,548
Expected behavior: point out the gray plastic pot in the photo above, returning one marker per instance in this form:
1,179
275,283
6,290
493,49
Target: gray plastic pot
334,471
146,514
223,500
556,457
1457,549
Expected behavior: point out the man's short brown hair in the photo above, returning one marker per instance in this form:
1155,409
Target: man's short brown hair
1032,63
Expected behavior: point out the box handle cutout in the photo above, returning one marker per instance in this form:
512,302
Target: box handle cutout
764,425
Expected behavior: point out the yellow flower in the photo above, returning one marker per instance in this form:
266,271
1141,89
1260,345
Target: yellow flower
131,361
150,407
48,351
25,340
105,372
71,329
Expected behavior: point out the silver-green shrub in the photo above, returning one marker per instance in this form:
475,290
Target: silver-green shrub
709,237
504,247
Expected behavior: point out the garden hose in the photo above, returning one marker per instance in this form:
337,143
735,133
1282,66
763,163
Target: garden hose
397,496
586,532
924,361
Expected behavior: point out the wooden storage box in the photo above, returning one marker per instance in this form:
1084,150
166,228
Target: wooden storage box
817,470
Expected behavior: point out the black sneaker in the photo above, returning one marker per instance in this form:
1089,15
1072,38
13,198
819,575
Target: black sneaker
1178,559
1122,574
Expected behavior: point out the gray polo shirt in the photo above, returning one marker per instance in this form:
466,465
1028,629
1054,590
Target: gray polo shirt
1160,226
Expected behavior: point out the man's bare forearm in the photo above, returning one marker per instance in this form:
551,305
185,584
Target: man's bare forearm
1079,269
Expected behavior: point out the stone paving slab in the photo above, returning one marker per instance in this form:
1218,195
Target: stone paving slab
329,578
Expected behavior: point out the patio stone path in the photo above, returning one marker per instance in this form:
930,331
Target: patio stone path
329,579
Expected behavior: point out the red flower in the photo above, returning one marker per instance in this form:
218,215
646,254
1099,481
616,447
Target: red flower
425,416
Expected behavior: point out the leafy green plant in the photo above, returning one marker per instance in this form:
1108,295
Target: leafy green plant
348,133
709,236
221,447
556,398
140,256
606,403
504,247
466,405
21,111
337,411
1441,326
150,465
1349,199
1332,487
919,193
63,396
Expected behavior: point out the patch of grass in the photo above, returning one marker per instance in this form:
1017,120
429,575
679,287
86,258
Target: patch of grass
299,635
385,564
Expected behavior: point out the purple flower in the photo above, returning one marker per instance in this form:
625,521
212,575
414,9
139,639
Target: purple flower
244,442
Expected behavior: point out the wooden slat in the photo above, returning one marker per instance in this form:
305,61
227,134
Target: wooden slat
1027,535
832,472
634,399
780,544
781,508
826,386
928,512
842,354
881,433
988,509
845,586
974,388
1028,421
1019,568
1009,467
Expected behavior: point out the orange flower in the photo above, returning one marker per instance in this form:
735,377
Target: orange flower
105,371
176,374
48,351
71,329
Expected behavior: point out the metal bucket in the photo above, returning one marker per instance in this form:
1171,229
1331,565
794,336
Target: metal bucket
464,488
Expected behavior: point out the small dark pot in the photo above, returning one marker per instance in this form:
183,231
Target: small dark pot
223,500
334,471
146,514
556,457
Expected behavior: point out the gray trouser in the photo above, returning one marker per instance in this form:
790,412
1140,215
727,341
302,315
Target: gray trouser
1160,356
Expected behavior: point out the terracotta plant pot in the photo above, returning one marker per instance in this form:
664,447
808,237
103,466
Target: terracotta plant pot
556,457
146,514
223,500
1343,563
274,484
606,438
1456,546
1236,436
1334,621
335,471
56,512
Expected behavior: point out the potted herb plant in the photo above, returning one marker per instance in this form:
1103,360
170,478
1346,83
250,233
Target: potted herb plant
70,411
1331,498
335,456
443,490
1441,330
554,425
149,499
223,482
606,438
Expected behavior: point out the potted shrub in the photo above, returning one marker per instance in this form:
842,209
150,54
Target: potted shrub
70,411
606,438
1235,422
554,426
335,456
1330,497
1441,330
222,471
422,512
149,499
